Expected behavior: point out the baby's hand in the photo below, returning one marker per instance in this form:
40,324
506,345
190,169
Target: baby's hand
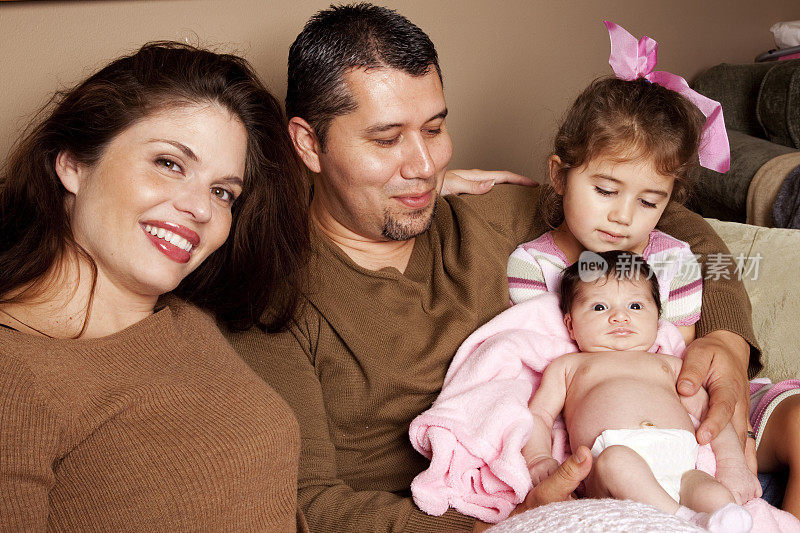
541,469
738,479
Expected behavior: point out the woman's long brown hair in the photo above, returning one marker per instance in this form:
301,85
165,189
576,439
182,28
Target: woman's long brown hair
256,275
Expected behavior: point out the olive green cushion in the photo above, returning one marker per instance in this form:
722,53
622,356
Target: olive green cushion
724,196
778,106
736,88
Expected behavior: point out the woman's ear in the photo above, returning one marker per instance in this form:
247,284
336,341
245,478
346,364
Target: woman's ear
568,323
68,170
557,173
305,142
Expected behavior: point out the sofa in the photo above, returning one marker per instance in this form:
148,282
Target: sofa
761,104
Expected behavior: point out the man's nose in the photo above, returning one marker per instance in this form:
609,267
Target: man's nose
417,160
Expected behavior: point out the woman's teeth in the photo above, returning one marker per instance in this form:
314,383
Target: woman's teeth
168,236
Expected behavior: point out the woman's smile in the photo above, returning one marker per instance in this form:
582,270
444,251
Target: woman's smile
173,240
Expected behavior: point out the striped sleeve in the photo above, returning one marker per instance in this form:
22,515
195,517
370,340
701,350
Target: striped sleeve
525,276
682,282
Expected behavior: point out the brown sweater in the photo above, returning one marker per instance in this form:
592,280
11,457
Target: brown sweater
372,347
159,427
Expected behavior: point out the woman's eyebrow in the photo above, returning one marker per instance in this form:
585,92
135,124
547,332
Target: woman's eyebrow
180,146
235,180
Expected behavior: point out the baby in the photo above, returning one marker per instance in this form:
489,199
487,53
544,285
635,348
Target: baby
620,401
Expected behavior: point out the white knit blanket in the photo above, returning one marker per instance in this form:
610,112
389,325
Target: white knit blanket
594,515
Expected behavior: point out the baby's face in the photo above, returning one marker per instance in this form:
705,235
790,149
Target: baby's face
613,315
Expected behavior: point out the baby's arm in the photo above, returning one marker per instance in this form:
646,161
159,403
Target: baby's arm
732,470
545,406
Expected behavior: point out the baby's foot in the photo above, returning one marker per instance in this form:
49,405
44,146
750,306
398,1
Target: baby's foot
731,518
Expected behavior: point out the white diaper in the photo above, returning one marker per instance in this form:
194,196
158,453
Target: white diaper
669,452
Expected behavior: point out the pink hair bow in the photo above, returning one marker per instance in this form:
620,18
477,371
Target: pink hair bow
631,59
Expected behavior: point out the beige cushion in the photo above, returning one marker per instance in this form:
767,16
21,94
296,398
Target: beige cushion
764,187
772,265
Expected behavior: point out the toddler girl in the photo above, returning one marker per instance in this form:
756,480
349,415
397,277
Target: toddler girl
625,148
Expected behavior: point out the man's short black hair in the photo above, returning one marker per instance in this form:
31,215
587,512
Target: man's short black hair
619,265
345,37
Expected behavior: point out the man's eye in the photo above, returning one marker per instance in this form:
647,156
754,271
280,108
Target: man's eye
433,132
636,306
599,307
387,142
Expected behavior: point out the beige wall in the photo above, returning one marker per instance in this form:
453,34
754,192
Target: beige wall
510,67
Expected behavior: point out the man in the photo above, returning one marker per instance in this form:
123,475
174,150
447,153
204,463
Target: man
402,276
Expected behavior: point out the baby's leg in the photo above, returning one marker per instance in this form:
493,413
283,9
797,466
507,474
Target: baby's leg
703,493
717,511
780,448
619,472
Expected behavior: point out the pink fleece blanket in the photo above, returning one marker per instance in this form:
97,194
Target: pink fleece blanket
474,432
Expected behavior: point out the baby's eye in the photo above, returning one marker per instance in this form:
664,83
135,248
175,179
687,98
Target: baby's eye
636,306
599,307
603,192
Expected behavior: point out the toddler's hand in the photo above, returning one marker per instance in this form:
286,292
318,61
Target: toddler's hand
738,479
541,469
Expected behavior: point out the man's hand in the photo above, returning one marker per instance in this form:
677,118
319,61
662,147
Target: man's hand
559,486
479,181
556,488
719,361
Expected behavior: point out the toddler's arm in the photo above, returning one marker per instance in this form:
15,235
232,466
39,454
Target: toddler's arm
545,406
525,275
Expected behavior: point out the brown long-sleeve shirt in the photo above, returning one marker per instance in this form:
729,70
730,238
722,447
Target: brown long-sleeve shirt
371,349
159,427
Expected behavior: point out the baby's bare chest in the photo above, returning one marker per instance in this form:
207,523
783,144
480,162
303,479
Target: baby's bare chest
588,370
619,390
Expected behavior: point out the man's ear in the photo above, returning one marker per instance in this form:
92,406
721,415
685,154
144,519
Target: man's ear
69,171
305,142
568,323
557,174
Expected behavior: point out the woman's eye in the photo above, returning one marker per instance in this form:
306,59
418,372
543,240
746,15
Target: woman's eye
169,164
433,132
636,306
223,194
603,192
599,307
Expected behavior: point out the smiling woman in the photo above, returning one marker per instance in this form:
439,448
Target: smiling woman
140,196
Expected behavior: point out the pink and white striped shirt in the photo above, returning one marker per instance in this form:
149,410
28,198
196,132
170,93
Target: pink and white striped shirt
536,267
